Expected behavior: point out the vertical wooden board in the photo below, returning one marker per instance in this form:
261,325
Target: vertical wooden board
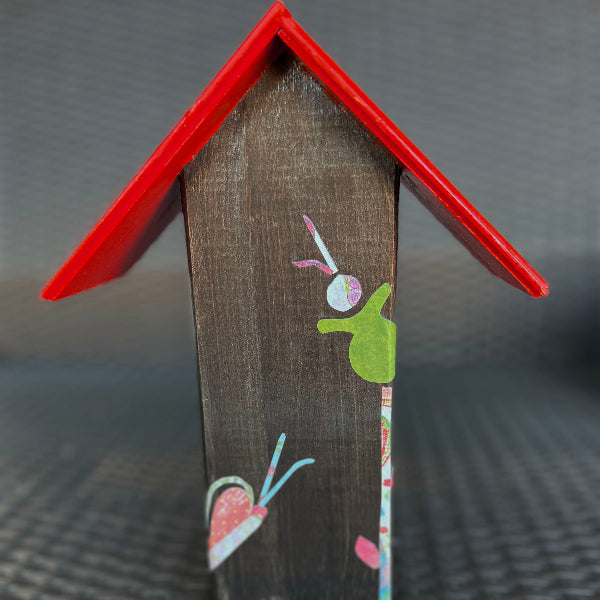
264,368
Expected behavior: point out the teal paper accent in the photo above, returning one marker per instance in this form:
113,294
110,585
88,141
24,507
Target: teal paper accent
271,471
288,474
372,350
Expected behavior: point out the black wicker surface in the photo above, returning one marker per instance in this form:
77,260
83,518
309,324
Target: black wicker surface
101,487
497,485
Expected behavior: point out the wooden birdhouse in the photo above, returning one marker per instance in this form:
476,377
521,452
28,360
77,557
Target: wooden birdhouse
289,177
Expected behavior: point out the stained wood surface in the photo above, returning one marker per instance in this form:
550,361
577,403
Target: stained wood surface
287,150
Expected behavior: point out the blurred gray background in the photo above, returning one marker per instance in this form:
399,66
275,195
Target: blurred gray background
101,483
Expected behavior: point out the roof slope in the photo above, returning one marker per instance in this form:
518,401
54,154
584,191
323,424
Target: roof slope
144,208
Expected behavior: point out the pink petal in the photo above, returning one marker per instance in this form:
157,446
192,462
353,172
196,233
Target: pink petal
367,552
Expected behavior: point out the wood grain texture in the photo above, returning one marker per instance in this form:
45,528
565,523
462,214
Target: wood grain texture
287,150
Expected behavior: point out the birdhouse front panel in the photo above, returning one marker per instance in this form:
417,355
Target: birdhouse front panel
291,218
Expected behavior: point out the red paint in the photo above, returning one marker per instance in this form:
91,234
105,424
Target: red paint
260,511
141,212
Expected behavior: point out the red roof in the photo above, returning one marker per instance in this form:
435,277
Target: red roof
142,210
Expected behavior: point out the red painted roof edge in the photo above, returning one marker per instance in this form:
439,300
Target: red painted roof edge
130,225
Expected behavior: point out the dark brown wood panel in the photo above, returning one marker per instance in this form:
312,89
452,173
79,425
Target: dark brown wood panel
264,368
